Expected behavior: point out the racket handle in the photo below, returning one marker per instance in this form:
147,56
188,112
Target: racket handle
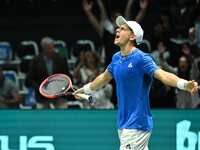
85,96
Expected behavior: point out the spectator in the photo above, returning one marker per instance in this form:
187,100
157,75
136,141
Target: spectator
105,27
161,30
194,36
161,49
140,15
9,96
162,96
88,67
45,64
87,70
138,18
102,98
188,69
182,16
106,30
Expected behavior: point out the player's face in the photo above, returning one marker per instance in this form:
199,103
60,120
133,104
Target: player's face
123,35
49,49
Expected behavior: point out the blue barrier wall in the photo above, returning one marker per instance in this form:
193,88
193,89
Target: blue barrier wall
92,130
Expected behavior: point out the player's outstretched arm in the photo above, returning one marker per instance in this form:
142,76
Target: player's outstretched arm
172,80
99,82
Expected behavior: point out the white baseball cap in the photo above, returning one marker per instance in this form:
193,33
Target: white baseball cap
135,27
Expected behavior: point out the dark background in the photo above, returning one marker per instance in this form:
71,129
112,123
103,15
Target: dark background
63,19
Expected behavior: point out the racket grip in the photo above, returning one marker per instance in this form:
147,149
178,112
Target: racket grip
85,96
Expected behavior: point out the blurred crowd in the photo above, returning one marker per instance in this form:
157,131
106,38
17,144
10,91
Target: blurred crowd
173,40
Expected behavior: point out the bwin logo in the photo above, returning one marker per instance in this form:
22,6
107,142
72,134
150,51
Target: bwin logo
34,142
185,139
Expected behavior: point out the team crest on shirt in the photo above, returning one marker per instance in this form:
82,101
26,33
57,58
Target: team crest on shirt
130,65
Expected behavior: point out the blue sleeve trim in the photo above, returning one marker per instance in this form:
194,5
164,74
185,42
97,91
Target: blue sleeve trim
109,70
156,68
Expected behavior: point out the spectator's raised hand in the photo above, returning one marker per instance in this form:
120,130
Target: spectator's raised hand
192,34
86,5
143,4
186,50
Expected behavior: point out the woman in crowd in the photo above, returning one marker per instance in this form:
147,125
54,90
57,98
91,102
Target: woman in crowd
87,70
187,69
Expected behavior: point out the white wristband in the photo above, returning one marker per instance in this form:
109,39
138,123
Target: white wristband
87,89
181,83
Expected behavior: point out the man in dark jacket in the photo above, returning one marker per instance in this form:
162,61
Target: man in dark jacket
43,65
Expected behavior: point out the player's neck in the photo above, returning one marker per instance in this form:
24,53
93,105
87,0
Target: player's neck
127,49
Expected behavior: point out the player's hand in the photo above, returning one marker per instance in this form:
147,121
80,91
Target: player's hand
78,91
191,86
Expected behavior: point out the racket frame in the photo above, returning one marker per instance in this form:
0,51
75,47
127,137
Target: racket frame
84,96
53,96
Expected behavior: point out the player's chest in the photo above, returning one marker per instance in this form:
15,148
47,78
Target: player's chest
127,68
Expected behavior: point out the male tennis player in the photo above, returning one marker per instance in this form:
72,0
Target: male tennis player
133,71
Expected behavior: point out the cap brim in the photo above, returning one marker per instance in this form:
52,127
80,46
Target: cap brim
120,21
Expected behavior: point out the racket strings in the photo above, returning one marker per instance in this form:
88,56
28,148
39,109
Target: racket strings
56,85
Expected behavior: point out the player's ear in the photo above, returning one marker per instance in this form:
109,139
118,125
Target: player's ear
133,37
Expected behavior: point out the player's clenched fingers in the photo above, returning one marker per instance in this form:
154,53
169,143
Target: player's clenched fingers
77,97
194,90
76,92
191,82
195,84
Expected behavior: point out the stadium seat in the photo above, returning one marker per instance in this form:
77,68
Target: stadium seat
61,48
74,105
83,44
6,57
12,75
30,99
26,51
5,51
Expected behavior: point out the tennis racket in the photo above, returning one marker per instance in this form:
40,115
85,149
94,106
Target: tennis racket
58,85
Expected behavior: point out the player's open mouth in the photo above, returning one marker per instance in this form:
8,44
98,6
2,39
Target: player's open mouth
117,37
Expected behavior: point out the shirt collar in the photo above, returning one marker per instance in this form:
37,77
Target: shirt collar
126,57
